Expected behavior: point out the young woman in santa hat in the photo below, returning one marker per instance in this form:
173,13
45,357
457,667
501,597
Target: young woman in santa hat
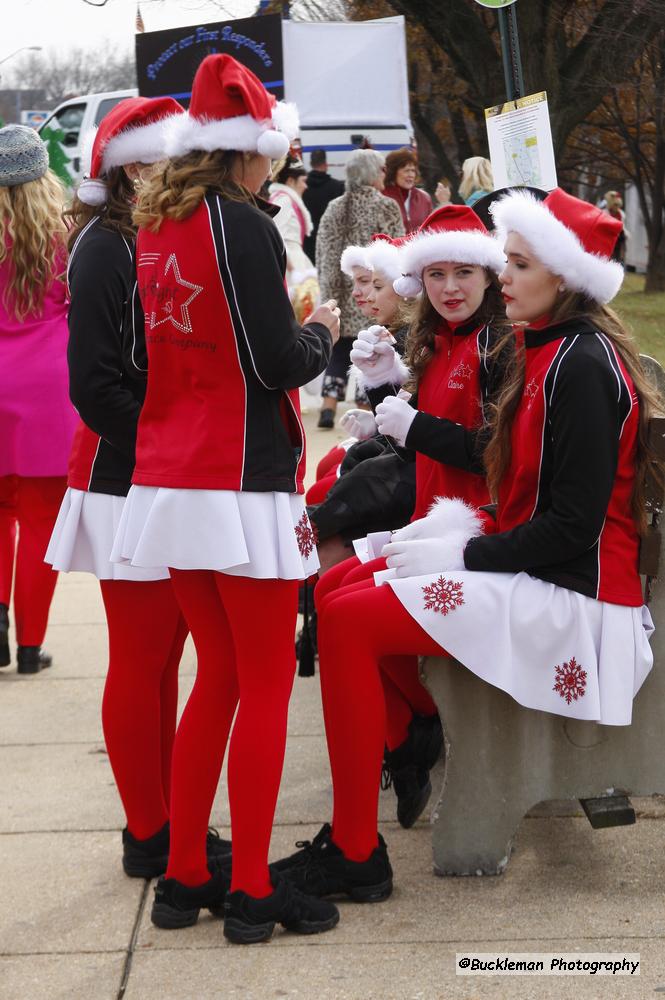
107,372
452,350
386,308
556,584
217,492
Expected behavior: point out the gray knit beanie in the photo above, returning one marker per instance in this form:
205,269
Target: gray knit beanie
23,155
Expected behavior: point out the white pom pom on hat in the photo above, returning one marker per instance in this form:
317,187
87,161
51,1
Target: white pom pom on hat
273,144
92,191
408,286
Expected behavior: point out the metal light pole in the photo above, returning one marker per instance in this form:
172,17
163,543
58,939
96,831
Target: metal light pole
510,45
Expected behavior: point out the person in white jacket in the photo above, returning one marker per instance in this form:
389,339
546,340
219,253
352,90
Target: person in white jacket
293,219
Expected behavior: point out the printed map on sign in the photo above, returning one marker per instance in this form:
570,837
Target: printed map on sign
520,143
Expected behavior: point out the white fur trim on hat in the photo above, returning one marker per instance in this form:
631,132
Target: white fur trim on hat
557,247
140,144
92,191
456,246
354,257
86,149
398,376
384,257
242,132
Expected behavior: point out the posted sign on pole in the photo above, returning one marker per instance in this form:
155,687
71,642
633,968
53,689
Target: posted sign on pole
520,142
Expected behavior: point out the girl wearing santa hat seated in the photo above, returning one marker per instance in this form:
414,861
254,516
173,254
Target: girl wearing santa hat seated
107,372
548,606
380,260
217,487
452,349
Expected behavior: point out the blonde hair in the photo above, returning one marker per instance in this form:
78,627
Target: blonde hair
32,238
571,306
177,190
476,176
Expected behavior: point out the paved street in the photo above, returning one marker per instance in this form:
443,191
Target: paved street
73,926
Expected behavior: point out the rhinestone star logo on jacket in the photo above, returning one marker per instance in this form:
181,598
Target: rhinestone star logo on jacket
173,295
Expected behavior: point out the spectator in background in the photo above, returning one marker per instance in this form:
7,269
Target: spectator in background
320,191
36,418
400,185
350,220
293,219
614,206
477,179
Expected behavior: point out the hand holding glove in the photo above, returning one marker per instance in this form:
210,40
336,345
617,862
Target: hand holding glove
423,556
359,424
394,417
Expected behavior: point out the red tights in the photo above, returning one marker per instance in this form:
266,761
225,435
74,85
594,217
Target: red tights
402,690
32,503
370,623
243,630
139,709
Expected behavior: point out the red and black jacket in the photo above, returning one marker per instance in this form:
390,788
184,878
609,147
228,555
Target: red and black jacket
225,354
564,510
107,366
447,434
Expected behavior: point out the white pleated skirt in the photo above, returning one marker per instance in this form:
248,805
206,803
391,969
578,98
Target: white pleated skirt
83,536
549,648
259,535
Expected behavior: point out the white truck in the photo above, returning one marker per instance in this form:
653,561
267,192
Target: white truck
348,79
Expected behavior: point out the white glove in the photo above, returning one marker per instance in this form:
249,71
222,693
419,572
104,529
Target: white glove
376,360
359,424
446,515
394,416
423,556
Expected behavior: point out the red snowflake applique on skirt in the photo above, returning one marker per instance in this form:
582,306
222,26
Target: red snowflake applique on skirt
443,596
570,681
305,536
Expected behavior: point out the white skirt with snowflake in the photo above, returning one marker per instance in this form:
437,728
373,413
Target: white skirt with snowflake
82,539
260,535
549,648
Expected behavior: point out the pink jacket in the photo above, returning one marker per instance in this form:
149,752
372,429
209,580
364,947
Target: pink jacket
37,420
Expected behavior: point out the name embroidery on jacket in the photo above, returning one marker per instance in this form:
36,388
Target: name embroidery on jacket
458,374
173,294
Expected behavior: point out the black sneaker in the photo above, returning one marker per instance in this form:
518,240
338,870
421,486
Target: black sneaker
5,658
412,788
149,858
319,868
32,659
326,420
248,920
426,740
177,905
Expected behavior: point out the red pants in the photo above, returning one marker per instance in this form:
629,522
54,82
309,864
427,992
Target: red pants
243,630
359,626
146,636
403,692
32,503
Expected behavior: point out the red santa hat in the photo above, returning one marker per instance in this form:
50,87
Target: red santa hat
450,233
572,238
231,109
132,132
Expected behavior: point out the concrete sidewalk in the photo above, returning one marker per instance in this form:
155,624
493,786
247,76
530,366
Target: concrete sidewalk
73,926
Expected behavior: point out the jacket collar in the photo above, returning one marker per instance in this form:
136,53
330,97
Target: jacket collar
569,327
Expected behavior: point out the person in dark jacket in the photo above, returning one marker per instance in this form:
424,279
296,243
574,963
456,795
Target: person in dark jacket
321,189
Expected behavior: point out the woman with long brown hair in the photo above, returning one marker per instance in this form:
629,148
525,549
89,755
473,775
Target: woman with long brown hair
454,372
36,418
217,488
548,604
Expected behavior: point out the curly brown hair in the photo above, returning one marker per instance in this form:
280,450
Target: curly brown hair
395,160
32,237
116,213
419,348
572,306
177,190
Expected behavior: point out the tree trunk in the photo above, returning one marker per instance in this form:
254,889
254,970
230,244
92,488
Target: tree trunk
656,268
